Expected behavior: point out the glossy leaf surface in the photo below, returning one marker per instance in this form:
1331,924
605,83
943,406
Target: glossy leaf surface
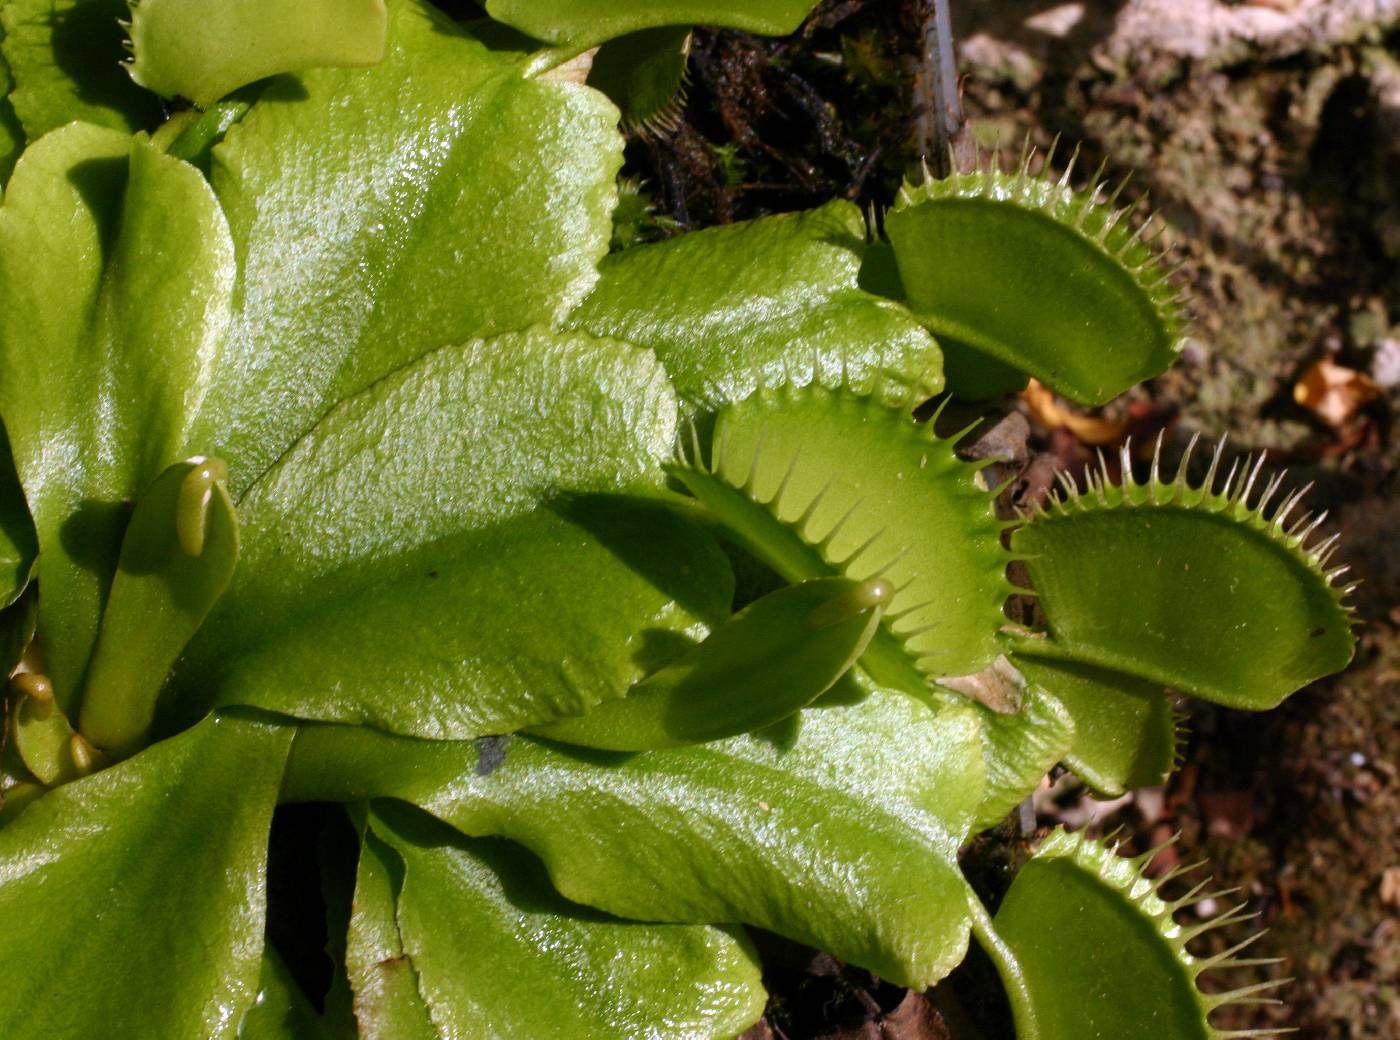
183,48
382,213
1196,588
773,658
1027,273
491,943
584,23
115,273
773,300
65,60
1020,747
815,481
133,899
177,559
845,838
388,1003
464,492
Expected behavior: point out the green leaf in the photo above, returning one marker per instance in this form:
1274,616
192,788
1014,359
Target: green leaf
133,899
1100,953
816,481
845,838
644,74
773,300
496,951
1197,588
17,624
115,274
178,556
388,1002
42,735
65,58
444,535
1013,272
382,213
585,23
1125,731
281,1010
18,543
11,133
1020,748
183,48
772,659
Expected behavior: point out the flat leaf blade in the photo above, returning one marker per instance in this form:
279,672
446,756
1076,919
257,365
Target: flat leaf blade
731,309
463,200
469,490
98,234
134,899
491,941
844,838
387,1001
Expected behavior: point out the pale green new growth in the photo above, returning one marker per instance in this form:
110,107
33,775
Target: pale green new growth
773,658
202,51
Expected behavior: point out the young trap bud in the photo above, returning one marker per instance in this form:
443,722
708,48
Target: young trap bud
177,557
773,658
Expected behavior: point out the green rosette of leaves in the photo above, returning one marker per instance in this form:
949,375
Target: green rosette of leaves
606,604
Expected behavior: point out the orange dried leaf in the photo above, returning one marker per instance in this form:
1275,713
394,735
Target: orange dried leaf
1333,392
1047,410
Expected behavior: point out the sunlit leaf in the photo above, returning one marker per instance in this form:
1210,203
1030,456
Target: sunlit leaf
115,275
495,950
1201,588
844,838
385,212
445,535
774,657
200,51
817,481
178,554
133,900
763,303
1019,274
1100,953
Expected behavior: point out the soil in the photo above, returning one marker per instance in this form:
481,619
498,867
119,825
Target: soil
1267,134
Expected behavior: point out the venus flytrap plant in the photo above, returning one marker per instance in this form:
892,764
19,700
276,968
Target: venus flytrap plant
348,468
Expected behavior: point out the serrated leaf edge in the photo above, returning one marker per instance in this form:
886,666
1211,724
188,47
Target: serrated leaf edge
1092,213
1126,875
1235,498
690,455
